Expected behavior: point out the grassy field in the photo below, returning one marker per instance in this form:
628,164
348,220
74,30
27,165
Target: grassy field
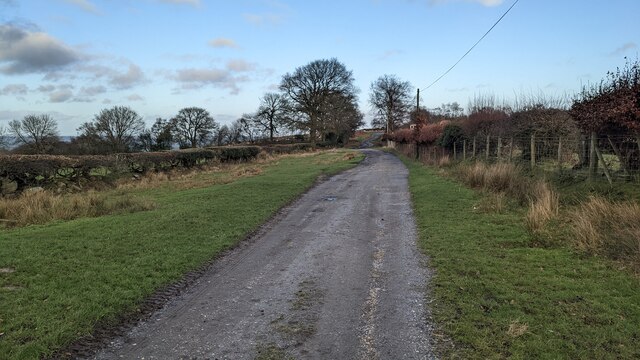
497,296
59,279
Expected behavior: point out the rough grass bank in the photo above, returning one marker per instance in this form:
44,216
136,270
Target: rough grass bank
58,280
499,295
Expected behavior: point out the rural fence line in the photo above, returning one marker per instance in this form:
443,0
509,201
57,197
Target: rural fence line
589,157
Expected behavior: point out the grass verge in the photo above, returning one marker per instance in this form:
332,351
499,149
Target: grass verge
60,279
496,296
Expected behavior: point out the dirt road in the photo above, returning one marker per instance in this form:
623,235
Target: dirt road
336,276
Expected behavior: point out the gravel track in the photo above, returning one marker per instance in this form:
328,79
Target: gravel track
336,276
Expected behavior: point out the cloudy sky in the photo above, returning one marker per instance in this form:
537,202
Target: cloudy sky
71,58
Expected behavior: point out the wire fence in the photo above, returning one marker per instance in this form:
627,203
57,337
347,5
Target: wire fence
584,157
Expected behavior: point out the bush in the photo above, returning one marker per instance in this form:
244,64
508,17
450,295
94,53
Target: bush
236,153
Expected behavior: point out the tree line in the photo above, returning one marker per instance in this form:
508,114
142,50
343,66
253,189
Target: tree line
319,99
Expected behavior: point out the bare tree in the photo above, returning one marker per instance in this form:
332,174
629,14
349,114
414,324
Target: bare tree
391,99
162,135
309,86
222,136
273,113
340,117
36,131
4,141
247,129
117,127
193,126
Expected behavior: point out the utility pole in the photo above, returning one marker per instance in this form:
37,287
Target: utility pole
418,124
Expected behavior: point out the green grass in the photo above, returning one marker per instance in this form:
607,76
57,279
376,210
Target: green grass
68,276
496,296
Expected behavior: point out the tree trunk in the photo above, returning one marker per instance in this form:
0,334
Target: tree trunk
623,161
271,130
312,131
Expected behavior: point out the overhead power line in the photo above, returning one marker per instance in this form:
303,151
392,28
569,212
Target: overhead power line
474,45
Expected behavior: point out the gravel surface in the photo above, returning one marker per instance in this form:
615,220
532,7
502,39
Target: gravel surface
337,275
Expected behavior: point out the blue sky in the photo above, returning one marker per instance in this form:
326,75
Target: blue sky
71,58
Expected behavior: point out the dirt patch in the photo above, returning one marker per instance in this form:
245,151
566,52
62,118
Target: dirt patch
7,270
299,324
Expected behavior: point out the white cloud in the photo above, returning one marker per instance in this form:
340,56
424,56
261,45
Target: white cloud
264,19
135,97
61,95
85,5
14,89
23,51
198,78
223,43
182,2
133,76
239,65
623,49
93,90
46,88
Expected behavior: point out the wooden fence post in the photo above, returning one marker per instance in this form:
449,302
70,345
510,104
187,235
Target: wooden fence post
464,150
593,157
488,146
510,149
474,147
560,153
499,146
604,165
455,151
533,151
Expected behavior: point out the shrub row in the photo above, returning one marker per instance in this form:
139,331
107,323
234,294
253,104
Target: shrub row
42,170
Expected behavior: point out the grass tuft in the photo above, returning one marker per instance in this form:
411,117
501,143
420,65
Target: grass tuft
609,228
41,207
543,207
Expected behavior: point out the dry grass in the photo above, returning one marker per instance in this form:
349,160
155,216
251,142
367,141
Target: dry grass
501,177
608,228
543,207
507,179
492,203
516,329
40,207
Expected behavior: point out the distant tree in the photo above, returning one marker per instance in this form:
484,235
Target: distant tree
274,113
161,134
391,99
193,127
247,128
36,132
340,117
420,116
235,132
118,128
447,111
4,141
144,141
309,86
